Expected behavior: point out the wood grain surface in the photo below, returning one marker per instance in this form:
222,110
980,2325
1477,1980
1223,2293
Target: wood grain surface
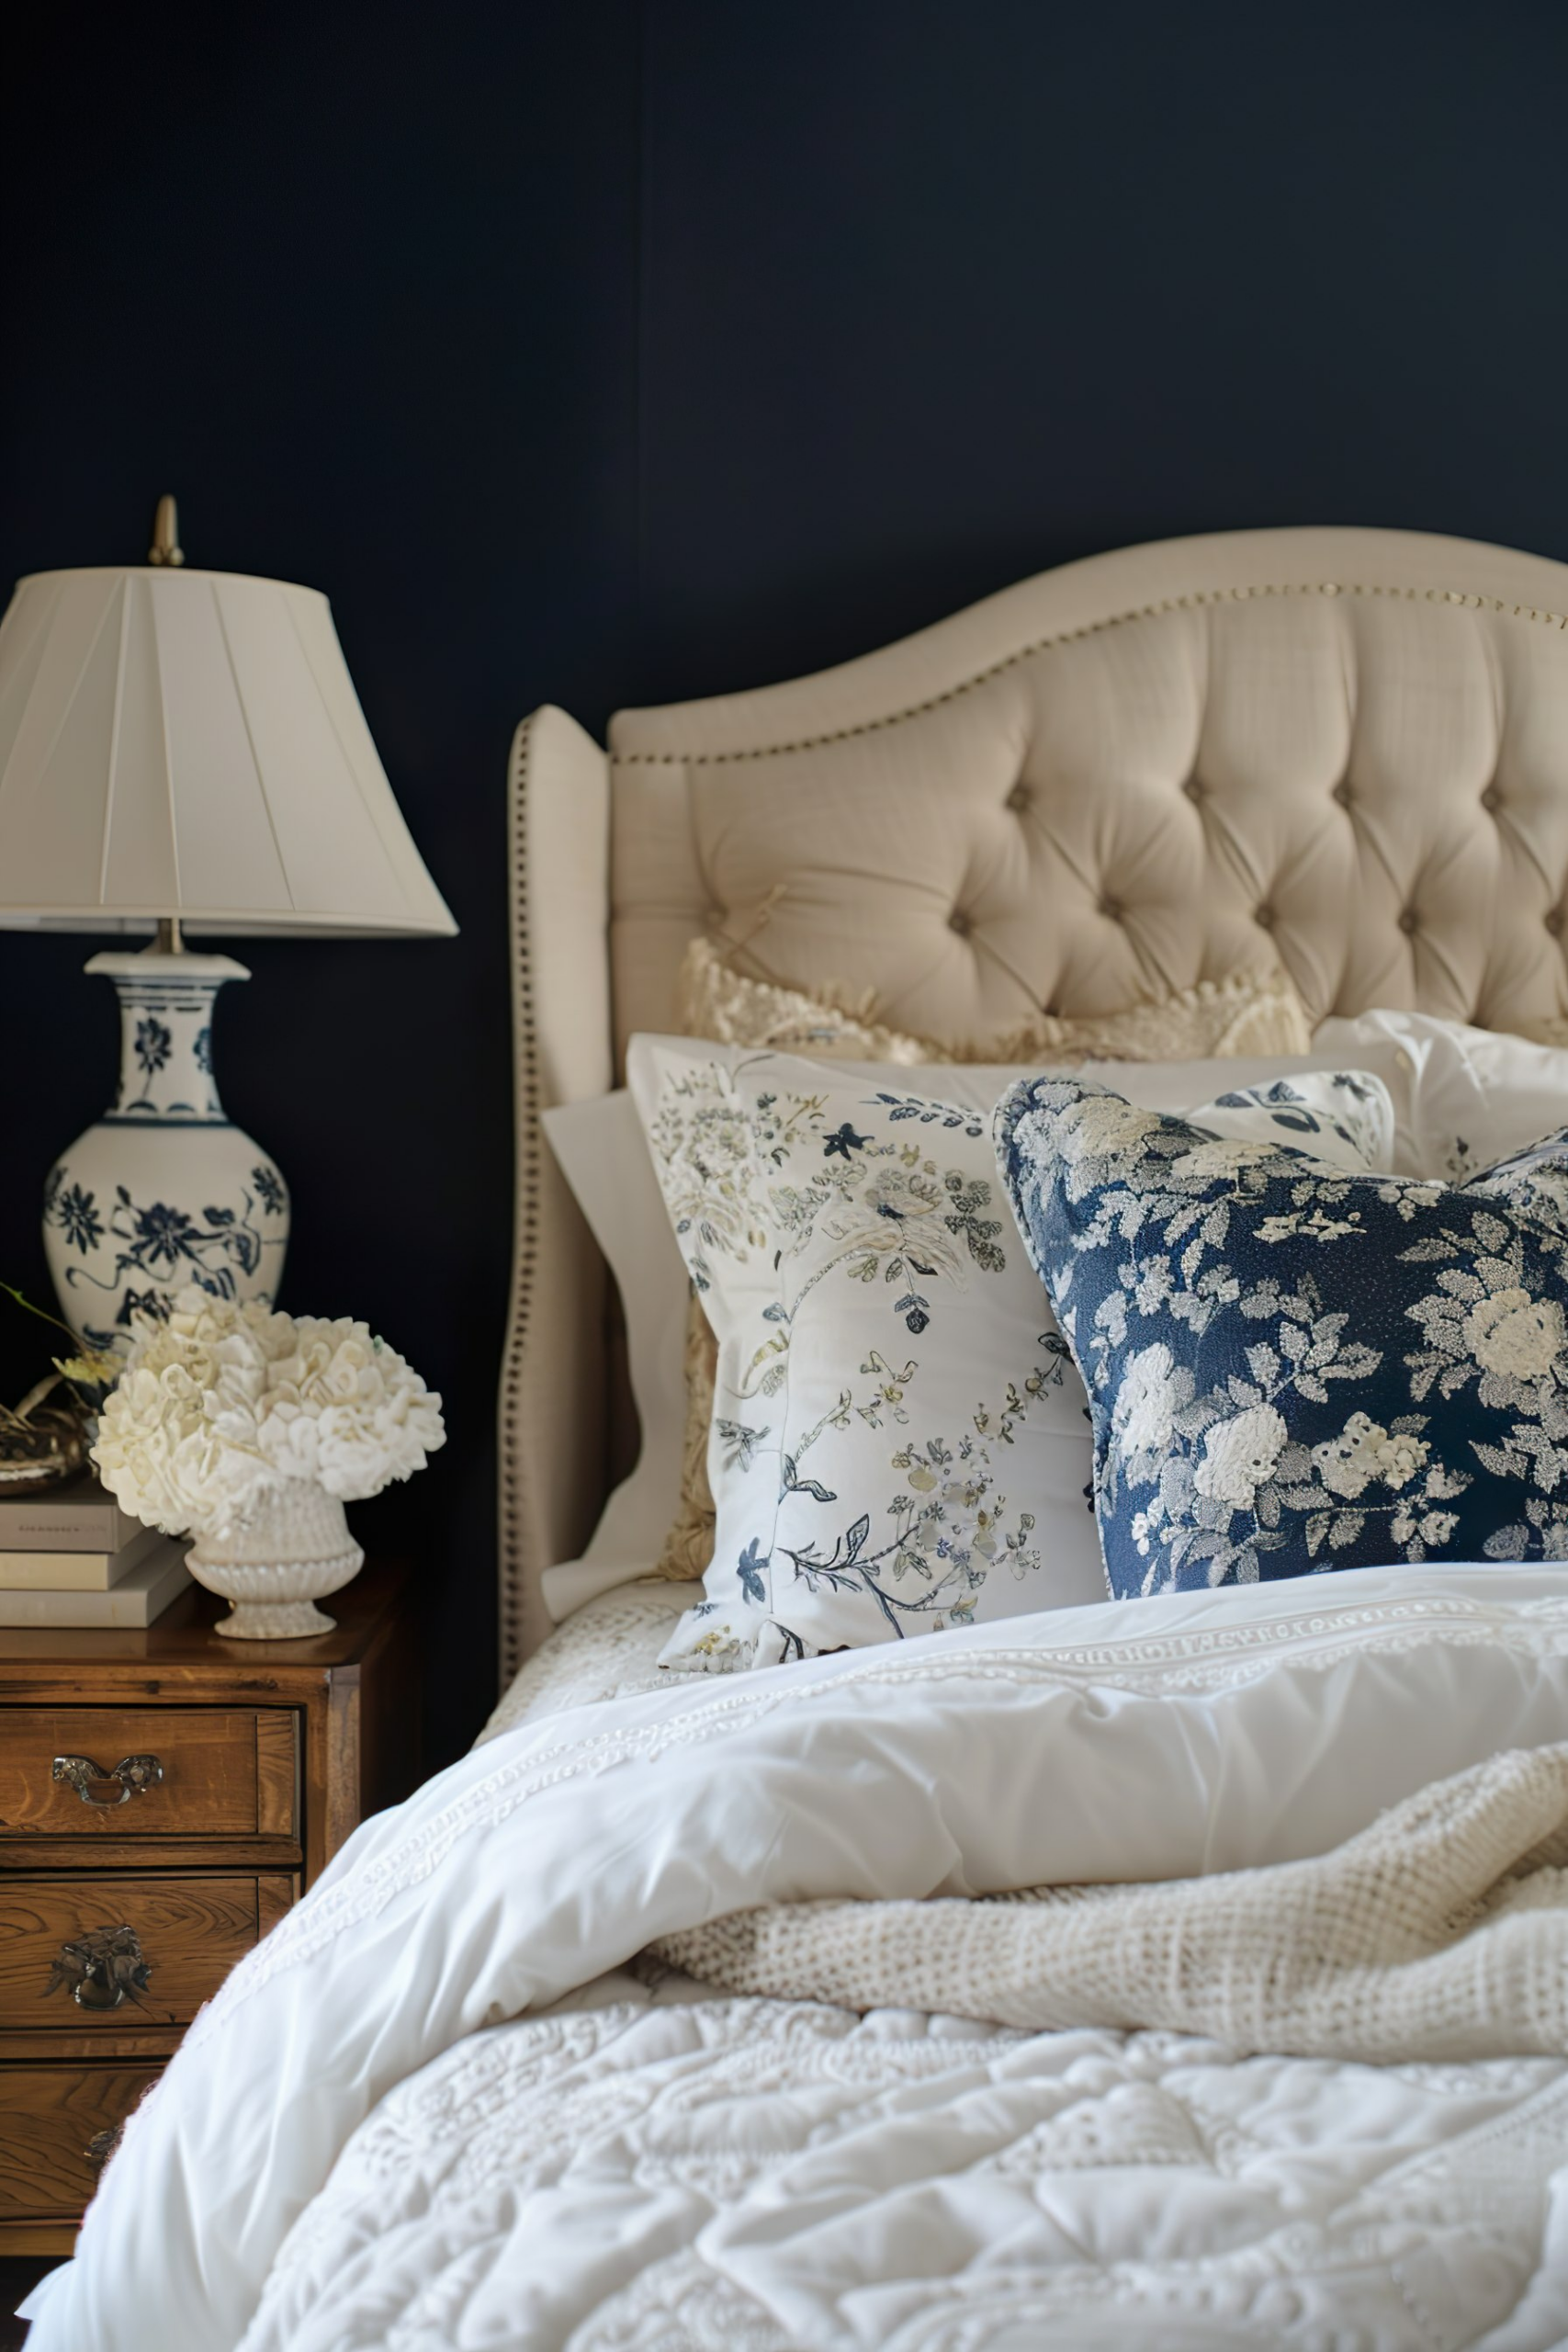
272,1752
220,1776
47,2117
191,1930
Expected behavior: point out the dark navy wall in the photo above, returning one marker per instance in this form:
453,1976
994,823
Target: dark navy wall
357,283
607,353
937,295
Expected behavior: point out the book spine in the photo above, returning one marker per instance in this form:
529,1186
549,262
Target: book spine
136,1604
74,1571
141,1607
74,1527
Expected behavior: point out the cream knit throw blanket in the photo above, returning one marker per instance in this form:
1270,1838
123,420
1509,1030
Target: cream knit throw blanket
1441,1932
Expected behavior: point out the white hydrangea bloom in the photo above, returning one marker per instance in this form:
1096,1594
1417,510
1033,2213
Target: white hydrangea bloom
219,1406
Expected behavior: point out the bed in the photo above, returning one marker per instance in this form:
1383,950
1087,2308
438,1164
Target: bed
1032,1981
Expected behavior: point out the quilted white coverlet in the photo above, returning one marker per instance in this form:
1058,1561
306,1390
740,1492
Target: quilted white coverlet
682,2171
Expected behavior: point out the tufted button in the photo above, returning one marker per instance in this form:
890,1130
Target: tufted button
1554,923
1409,922
959,921
1342,792
1020,797
1491,799
1264,918
1111,909
1194,787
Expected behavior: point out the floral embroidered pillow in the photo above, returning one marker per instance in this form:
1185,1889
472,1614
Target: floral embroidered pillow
1292,1368
898,1441
1247,1014
1534,1181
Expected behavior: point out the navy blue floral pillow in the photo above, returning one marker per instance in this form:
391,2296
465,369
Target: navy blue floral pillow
1290,1368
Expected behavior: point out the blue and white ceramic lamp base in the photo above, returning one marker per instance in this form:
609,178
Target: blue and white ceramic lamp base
164,1191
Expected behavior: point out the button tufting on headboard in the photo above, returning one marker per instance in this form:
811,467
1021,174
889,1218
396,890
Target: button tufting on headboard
1187,749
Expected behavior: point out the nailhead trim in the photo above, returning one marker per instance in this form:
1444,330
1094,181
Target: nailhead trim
514,1566
1070,637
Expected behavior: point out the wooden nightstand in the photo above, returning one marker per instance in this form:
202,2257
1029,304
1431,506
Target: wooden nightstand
180,1790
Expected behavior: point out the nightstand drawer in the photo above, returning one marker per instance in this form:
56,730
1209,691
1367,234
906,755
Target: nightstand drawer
148,1772
56,2127
121,1955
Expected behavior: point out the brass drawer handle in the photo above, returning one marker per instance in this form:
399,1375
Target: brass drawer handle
102,2146
102,1967
134,1774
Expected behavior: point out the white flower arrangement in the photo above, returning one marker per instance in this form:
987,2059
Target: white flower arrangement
221,1406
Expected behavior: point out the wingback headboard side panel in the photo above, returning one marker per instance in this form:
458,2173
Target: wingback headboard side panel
1346,750
553,1431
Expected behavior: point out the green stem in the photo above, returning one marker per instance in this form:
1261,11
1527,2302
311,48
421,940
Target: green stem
42,1313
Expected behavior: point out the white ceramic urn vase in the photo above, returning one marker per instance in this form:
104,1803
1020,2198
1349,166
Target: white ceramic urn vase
163,1190
279,1564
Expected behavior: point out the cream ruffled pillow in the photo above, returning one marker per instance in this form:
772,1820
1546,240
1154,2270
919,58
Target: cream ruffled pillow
1256,1015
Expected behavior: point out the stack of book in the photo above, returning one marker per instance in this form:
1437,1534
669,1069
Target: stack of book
71,1556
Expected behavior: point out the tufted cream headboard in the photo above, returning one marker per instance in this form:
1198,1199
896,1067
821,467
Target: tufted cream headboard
1346,750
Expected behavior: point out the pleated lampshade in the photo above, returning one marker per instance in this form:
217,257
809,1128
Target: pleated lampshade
189,743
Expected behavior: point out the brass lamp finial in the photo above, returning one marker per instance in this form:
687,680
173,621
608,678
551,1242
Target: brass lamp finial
166,547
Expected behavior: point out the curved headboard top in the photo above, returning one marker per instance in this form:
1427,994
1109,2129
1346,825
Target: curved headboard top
1343,749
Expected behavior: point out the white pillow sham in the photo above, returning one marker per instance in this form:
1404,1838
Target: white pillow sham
900,1439
1464,1098
601,1151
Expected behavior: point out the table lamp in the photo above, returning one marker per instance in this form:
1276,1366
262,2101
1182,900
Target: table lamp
183,748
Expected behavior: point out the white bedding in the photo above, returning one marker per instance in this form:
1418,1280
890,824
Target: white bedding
682,2173
607,1649
741,2175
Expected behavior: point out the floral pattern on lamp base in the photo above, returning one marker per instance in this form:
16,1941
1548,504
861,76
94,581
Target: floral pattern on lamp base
164,1190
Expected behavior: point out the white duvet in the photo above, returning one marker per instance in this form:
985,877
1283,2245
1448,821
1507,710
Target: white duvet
353,2149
